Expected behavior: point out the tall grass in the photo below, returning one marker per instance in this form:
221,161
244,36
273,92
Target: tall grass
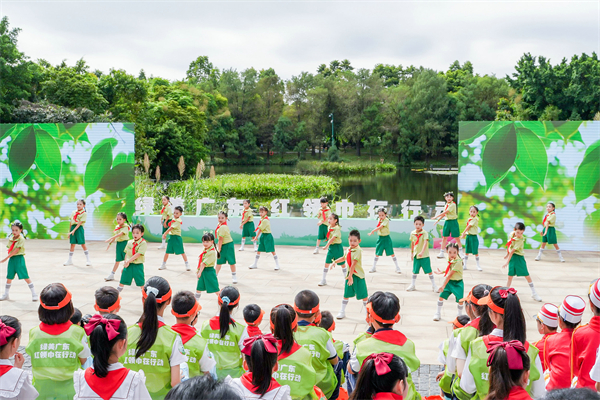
342,168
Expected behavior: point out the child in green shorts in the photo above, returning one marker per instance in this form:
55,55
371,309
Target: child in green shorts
166,215
419,243
384,241
135,255
77,233
175,242
120,237
225,246
549,232
355,284
334,247
247,225
515,258
470,234
16,261
264,238
207,276
453,282
323,217
451,228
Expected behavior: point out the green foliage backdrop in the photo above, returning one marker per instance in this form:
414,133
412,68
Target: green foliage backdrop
511,170
45,168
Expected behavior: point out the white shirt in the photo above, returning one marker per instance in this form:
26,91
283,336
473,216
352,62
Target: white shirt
16,384
178,356
595,371
244,336
457,350
467,382
132,388
280,393
85,353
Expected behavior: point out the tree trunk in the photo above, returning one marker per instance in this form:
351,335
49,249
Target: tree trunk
358,148
313,150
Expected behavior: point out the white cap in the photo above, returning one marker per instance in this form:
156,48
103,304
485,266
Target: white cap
571,309
548,314
595,293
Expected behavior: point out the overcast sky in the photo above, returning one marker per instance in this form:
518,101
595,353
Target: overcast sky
163,37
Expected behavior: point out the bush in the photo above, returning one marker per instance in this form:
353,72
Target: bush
342,168
333,154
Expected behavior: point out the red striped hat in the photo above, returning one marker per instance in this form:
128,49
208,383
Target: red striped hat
571,309
595,293
548,315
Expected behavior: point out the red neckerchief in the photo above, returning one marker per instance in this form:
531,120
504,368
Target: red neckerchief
203,253
246,380
253,331
418,236
5,368
387,396
324,211
160,324
214,323
349,258
12,246
135,244
185,331
107,386
546,216
261,220
118,228
163,209
329,232
447,205
469,221
218,226
244,214
448,268
518,393
295,348
55,329
379,223
474,323
77,214
509,243
390,336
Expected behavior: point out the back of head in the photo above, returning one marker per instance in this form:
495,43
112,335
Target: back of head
486,326
104,332
56,306
283,322
504,372
106,299
156,293
326,320
10,329
572,394
251,313
463,319
386,306
183,302
229,298
76,317
203,387
306,304
261,362
370,382
514,321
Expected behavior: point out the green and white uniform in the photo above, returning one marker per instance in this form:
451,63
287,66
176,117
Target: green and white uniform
335,249
384,241
296,371
166,215
323,217
199,359
78,237
359,284
317,341
472,242
248,223
175,243
451,227
227,350
223,235
420,239
517,266
121,241
135,269
208,279
16,264
266,243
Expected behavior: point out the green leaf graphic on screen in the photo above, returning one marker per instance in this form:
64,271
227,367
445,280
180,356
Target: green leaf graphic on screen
531,160
99,164
567,130
499,155
6,129
470,130
117,178
48,158
52,129
587,180
22,154
107,211
62,228
76,131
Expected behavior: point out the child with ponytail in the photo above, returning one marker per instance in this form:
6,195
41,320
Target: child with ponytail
135,255
260,360
120,237
153,346
383,376
453,281
225,246
77,233
247,225
175,242
266,243
509,371
549,232
515,256
15,383
384,241
207,276
108,379
334,248
504,308
470,235
253,316
225,337
56,335
16,261
166,215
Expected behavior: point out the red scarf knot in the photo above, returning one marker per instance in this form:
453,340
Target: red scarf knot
269,341
12,246
448,267
382,362
546,217
418,236
512,348
112,326
261,220
135,244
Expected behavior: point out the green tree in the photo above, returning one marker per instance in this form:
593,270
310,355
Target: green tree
283,135
126,94
269,90
202,71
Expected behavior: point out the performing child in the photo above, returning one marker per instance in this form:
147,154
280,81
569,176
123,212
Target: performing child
135,255
453,282
225,246
121,237
16,261
15,383
515,257
264,238
166,215
207,277
549,232
451,228
253,316
384,241
335,250
77,233
108,300
419,244
247,225
323,217
470,233
175,243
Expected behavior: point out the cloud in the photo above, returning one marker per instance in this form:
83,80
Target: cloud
293,36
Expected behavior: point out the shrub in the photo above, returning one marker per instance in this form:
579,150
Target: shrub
342,168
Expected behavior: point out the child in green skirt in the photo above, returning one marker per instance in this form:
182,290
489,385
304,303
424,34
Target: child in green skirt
451,228
470,233
549,232
247,225
207,276
323,217
225,246
453,282
334,247
77,233
265,238
515,258
16,261
135,255
384,241
175,242
120,236
355,284
166,215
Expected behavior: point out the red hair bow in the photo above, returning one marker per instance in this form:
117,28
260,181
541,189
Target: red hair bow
112,326
269,341
5,332
504,293
382,362
512,348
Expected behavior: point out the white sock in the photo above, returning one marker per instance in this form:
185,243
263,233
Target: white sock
414,279
532,288
395,260
460,310
71,255
440,305
164,264
375,262
256,259
344,304
233,274
432,278
540,252
7,288
344,271
87,255
325,271
187,264
365,303
32,289
112,273
466,258
255,245
120,288
477,260
197,295
559,253
276,260
243,241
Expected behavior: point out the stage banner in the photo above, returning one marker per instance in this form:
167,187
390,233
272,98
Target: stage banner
46,168
511,170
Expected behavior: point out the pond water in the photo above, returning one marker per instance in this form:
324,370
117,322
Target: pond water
395,188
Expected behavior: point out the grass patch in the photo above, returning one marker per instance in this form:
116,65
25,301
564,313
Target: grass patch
342,168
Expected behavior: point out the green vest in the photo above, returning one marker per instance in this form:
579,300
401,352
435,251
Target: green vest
155,362
54,359
480,370
194,350
226,351
407,352
467,335
315,339
361,337
446,381
297,372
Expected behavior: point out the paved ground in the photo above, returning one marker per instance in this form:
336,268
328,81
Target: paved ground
302,270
